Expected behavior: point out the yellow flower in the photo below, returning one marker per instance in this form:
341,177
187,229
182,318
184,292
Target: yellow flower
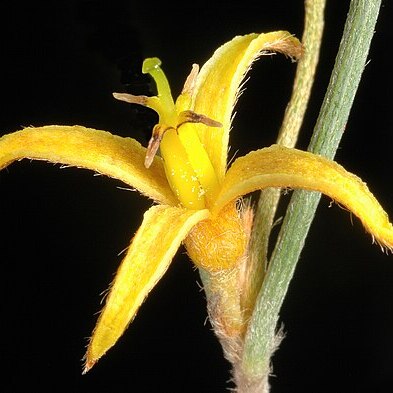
196,196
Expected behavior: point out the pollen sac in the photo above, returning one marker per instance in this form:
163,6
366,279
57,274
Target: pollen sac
218,243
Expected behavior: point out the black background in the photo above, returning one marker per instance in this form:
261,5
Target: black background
63,228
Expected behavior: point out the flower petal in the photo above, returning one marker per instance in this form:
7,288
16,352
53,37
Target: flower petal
218,84
278,166
100,151
147,259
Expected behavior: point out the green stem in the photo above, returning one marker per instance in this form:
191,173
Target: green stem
288,135
261,339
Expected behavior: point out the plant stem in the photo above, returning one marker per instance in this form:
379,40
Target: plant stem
288,135
260,340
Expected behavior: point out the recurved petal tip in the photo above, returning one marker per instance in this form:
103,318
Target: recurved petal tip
88,366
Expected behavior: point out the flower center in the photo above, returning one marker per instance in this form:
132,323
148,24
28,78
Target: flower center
188,168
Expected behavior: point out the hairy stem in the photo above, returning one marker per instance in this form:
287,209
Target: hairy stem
288,135
350,61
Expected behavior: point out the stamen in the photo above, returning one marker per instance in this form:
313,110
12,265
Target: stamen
184,101
187,164
180,172
150,102
131,99
192,117
197,154
190,83
154,143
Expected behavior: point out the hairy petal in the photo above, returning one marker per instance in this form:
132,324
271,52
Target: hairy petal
278,166
100,151
219,83
148,257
